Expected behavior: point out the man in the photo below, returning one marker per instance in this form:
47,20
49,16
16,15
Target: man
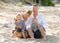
40,21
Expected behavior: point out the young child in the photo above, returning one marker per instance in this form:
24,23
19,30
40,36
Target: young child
20,27
34,25
35,29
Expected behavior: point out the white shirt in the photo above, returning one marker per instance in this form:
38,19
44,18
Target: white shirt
40,20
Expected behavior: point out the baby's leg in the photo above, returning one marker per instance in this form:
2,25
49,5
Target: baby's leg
17,34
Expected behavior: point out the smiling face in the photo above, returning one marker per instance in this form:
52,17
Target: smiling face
27,14
18,17
35,11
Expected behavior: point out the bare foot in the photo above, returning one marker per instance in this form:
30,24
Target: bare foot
33,38
45,38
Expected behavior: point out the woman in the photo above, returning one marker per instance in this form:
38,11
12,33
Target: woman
26,17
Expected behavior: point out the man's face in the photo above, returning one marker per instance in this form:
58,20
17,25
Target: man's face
35,9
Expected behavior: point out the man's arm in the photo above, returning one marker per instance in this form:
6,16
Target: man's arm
43,20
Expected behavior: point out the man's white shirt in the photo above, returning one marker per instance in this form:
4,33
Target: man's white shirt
41,20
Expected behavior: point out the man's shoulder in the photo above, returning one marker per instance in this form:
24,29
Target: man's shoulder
40,13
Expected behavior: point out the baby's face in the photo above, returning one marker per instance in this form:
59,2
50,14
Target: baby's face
34,21
18,17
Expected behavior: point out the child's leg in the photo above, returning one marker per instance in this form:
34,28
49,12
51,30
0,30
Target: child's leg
23,34
17,34
20,35
27,34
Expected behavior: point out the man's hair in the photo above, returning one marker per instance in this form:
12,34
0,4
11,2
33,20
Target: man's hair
35,5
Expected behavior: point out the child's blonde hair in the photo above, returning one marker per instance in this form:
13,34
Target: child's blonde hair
18,15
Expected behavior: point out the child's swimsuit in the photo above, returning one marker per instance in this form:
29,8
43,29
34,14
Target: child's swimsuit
37,33
20,23
33,29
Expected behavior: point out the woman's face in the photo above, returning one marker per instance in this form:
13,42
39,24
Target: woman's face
27,15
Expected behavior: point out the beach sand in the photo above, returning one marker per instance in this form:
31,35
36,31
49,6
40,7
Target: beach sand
7,14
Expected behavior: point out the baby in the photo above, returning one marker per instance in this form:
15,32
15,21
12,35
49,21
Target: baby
34,25
20,27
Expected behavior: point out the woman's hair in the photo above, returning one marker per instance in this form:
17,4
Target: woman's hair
29,12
